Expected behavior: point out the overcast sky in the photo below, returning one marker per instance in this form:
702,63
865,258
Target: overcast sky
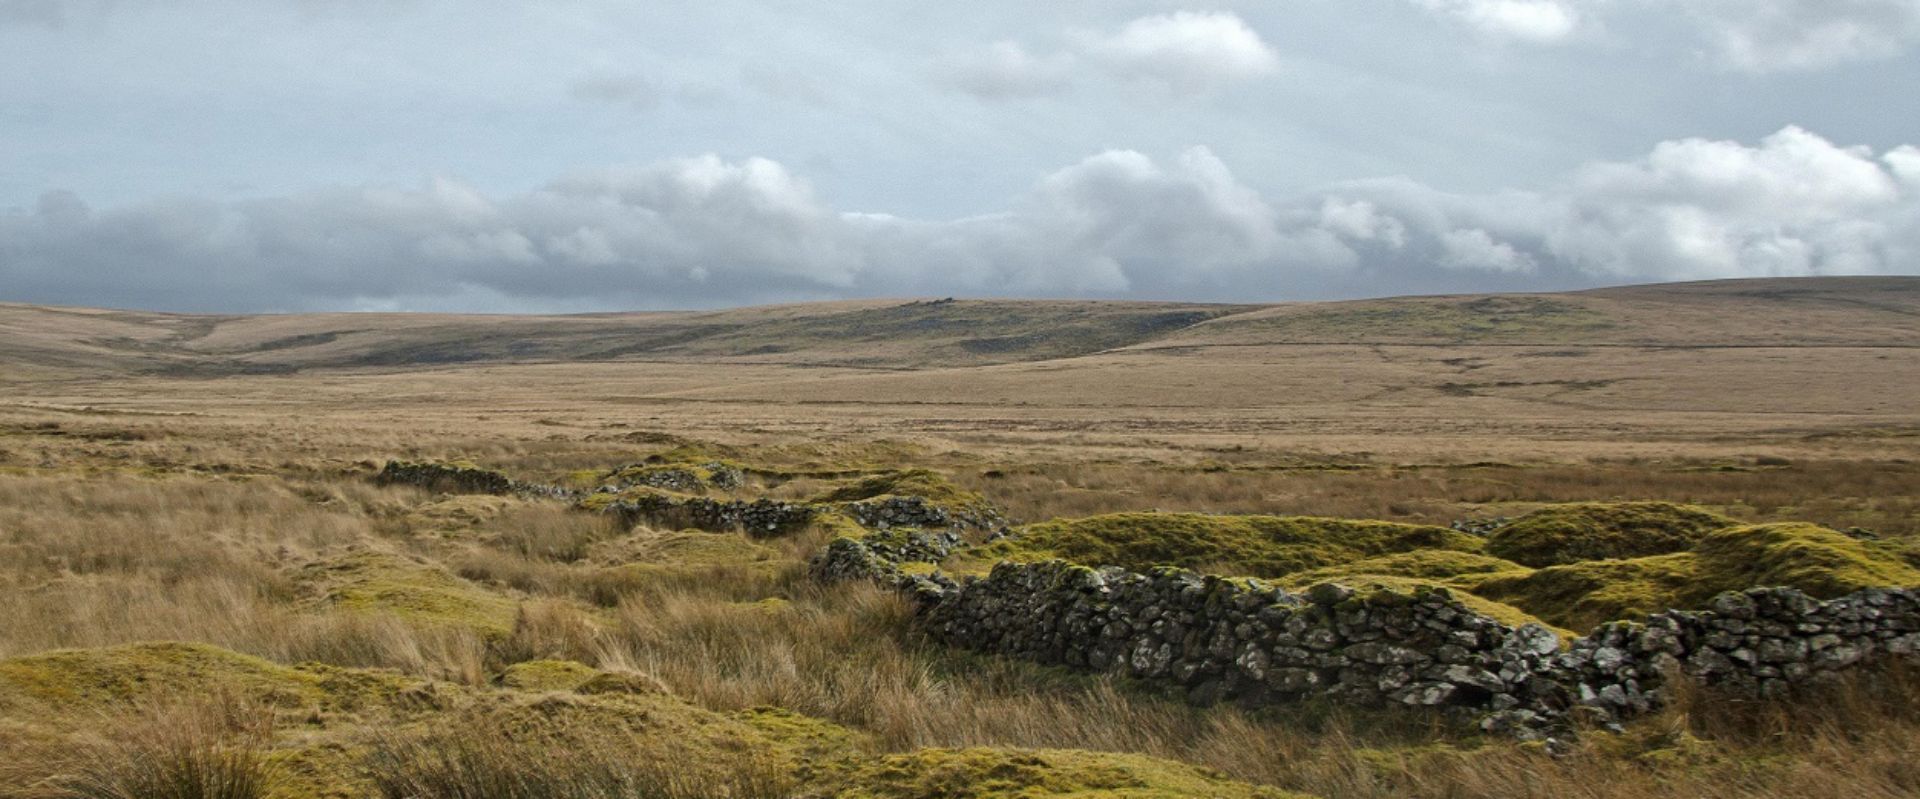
278,155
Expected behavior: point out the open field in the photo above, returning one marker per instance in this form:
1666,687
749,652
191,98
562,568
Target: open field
207,482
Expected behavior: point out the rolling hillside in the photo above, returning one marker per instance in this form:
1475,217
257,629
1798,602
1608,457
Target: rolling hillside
879,334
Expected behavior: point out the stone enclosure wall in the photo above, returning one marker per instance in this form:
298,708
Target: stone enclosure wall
460,478
1234,640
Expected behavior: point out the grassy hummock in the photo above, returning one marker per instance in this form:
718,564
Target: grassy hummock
1562,534
1255,546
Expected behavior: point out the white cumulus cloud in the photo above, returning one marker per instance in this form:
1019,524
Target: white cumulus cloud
1526,20
1780,35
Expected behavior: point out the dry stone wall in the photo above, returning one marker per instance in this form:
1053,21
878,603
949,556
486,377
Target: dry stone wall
1220,639
461,478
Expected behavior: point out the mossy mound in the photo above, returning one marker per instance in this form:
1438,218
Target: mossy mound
1814,559
546,675
1432,564
1562,534
94,679
1580,596
924,483
380,583
457,512
1382,589
1822,562
1030,774
1258,546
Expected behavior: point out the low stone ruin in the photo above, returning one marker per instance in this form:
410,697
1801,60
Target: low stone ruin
463,479
1219,639
760,517
909,511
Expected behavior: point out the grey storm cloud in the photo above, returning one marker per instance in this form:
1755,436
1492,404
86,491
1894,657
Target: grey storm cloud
707,231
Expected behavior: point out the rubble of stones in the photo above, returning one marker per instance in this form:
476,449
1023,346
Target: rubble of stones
1760,642
760,517
1479,527
1221,639
458,478
910,511
683,480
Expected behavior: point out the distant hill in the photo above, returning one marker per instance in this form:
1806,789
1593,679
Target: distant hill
883,335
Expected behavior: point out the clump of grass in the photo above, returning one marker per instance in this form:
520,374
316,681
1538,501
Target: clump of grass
1562,534
981,773
1430,564
383,584
195,751
480,759
1258,546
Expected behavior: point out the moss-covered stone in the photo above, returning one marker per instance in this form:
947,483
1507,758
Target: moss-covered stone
1562,534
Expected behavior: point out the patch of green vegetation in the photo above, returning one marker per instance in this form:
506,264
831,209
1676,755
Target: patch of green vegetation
1562,534
1814,559
378,583
924,483
1031,774
93,679
1258,546
1376,588
546,675
1429,564
1580,596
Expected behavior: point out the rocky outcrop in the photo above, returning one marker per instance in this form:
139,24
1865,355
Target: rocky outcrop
1219,639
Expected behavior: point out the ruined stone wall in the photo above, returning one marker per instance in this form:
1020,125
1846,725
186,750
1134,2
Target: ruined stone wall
1236,640
760,517
463,479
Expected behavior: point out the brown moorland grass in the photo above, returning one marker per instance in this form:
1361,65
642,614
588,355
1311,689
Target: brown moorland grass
202,506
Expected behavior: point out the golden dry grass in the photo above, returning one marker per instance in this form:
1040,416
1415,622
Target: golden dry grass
236,511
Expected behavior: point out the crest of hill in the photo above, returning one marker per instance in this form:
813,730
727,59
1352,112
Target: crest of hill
1792,312
894,334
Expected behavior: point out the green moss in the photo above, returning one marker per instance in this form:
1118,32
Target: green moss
1580,596
1260,546
1430,564
1030,774
1819,561
691,548
1369,587
1814,559
547,675
92,679
379,583
923,483
1562,534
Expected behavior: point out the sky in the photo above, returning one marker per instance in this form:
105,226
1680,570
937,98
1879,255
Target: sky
591,155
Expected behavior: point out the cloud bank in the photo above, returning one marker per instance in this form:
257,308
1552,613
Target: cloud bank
706,231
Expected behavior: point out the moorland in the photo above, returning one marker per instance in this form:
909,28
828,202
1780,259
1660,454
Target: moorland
211,591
